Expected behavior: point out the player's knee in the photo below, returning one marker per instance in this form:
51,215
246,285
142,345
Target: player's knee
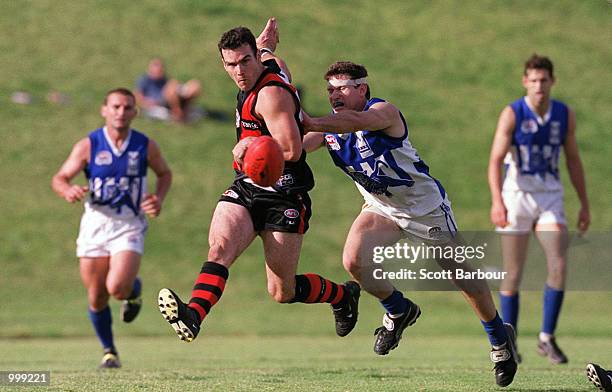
119,290
351,264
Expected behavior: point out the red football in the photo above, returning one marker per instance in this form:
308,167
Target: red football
263,161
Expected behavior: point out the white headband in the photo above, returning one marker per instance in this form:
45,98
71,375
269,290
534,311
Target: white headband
335,82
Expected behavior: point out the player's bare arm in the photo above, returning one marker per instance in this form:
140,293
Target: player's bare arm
267,40
501,144
381,116
152,203
75,163
277,108
313,141
576,172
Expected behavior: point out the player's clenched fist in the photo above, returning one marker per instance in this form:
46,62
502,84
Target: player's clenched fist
75,193
499,215
240,149
151,205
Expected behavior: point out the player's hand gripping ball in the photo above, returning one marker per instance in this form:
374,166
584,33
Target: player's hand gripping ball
263,161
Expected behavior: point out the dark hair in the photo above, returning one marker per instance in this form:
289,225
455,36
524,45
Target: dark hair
539,62
236,37
355,71
122,91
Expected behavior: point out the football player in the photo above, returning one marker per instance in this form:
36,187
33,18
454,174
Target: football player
267,105
531,133
110,245
367,138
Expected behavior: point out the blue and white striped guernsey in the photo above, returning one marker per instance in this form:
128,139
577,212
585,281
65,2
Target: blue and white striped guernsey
117,177
532,164
387,170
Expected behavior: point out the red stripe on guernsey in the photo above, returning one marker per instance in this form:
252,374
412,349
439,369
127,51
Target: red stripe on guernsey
198,309
315,287
248,122
339,295
302,218
327,293
206,295
211,279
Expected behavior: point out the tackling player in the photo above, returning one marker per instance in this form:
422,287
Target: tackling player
111,238
367,138
267,105
531,132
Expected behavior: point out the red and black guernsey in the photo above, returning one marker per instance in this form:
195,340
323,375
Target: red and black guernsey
297,176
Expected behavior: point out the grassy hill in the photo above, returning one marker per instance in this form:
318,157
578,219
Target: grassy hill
450,66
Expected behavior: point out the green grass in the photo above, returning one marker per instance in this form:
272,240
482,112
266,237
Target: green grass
450,66
297,363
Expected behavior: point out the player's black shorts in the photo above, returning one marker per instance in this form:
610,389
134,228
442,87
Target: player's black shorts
274,211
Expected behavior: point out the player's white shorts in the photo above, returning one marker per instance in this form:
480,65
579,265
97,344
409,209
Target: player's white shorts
435,228
103,235
527,209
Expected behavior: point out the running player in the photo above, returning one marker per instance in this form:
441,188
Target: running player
367,138
267,105
531,132
111,238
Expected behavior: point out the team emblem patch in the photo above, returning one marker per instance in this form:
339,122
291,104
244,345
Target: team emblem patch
103,158
133,164
291,213
332,143
363,146
230,193
529,126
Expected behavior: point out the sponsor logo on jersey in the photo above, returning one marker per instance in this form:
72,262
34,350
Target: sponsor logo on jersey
132,166
103,158
285,180
249,124
332,143
363,146
230,193
529,126
291,213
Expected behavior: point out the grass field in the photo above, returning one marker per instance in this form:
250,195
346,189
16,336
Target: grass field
295,363
450,66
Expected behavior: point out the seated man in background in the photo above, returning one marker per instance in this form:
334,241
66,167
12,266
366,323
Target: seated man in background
161,97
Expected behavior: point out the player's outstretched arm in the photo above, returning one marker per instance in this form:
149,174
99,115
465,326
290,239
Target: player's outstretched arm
266,43
501,144
381,116
576,173
277,107
76,161
152,203
313,141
